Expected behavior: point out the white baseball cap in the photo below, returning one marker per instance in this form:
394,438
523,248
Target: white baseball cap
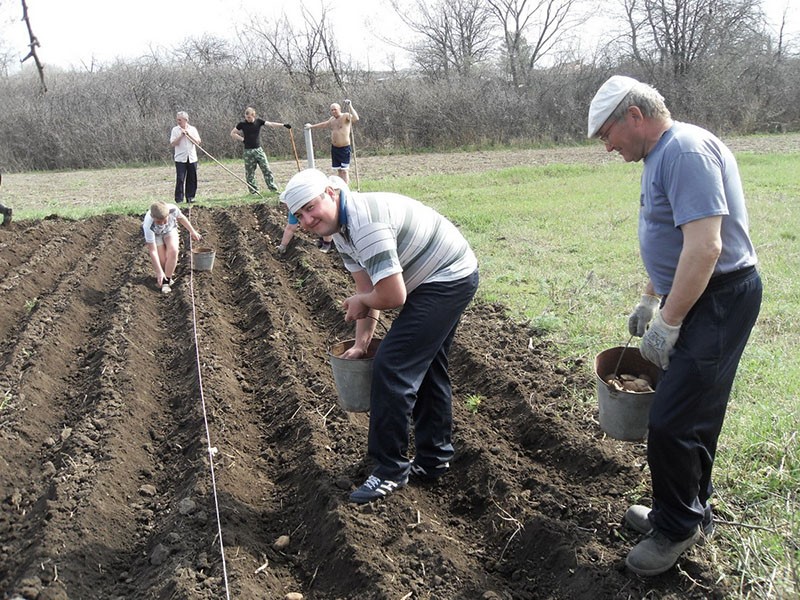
607,99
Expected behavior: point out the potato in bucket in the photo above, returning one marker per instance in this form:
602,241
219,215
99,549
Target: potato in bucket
625,402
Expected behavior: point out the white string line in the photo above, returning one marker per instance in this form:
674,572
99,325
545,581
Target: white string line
211,450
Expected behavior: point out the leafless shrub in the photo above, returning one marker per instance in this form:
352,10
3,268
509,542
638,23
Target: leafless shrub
121,113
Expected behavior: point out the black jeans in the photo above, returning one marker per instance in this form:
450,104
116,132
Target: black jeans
692,397
410,379
185,179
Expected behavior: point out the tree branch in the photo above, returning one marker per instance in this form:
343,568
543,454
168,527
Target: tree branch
34,43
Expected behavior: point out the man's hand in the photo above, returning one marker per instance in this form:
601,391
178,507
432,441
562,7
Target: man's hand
642,315
658,342
355,308
287,125
347,102
353,353
307,126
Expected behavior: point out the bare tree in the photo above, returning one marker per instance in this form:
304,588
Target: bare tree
531,28
305,52
674,36
204,51
455,35
783,41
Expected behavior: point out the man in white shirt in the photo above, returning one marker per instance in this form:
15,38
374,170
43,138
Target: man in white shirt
183,139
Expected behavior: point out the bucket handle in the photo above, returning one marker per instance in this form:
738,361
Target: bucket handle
378,321
619,362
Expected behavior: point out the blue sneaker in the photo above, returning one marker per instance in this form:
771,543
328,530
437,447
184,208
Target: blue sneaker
375,488
429,473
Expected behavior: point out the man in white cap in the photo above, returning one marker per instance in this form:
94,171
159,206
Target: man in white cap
699,305
400,253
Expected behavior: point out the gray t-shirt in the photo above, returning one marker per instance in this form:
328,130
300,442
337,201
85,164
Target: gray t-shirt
690,175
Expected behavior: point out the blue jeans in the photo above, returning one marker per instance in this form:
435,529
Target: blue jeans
410,379
692,397
185,179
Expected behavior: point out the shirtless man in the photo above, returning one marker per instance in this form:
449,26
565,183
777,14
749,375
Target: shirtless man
340,124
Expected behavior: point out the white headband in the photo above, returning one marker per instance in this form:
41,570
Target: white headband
304,187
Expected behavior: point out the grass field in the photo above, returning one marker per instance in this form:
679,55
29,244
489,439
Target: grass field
557,245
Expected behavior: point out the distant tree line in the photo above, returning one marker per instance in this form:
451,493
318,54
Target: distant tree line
485,73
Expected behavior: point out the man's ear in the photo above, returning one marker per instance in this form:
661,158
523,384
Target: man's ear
636,114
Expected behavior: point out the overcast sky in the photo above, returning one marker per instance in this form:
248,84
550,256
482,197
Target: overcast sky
74,32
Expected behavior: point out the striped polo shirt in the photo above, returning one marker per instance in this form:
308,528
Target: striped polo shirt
387,233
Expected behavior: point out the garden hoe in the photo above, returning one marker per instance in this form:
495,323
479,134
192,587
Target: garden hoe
250,187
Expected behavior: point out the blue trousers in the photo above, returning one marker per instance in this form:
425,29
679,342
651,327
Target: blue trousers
692,397
410,379
185,180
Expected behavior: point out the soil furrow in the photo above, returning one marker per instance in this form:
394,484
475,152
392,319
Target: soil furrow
59,430
234,311
35,262
301,487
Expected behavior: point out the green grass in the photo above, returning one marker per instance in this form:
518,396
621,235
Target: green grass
557,244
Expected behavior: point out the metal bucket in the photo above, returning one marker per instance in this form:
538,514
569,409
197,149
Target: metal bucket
203,259
353,377
624,415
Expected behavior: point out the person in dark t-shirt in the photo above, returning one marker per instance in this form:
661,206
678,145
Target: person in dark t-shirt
248,131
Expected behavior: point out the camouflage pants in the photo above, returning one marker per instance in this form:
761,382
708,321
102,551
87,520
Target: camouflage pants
254,157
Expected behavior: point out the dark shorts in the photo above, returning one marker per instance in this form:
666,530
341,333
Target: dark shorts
340,157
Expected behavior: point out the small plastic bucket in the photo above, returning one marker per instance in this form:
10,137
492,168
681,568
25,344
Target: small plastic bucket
203,259
624,415
353,377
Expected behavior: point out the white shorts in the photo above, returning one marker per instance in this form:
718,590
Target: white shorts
159,239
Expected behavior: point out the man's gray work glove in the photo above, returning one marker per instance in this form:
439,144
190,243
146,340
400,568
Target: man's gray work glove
642,314
658,342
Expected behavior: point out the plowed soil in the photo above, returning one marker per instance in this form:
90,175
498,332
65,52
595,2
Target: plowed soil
136,427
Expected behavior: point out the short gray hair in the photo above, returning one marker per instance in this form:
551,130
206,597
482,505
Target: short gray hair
182,113
647,98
